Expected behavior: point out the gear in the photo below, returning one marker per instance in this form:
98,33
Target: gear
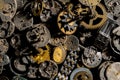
98,18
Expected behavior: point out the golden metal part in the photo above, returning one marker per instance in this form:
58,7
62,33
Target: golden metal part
68,21
59,54
99,18
44,55
90,2
78,9
1,4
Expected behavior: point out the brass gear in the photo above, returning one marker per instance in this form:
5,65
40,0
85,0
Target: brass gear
102,17
69,26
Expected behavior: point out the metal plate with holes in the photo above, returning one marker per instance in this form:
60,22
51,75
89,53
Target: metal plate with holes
91,57
39,35
7,9
81,74
59,39
48,69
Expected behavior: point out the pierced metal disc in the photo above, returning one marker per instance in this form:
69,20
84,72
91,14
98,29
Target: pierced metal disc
48,69
7,9
91,57
39,36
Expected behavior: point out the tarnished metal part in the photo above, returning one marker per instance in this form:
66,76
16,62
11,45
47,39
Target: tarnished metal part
22,21
36,7
15,41
56,7
113,71
115,40
68,66
102,69
7,9
4,46
114,10
4,60
81,74
58,41
103,38
39,35
7,29
48,69
72,43
91,57
32,72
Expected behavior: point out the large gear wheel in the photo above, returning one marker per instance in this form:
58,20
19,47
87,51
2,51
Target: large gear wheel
98,19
